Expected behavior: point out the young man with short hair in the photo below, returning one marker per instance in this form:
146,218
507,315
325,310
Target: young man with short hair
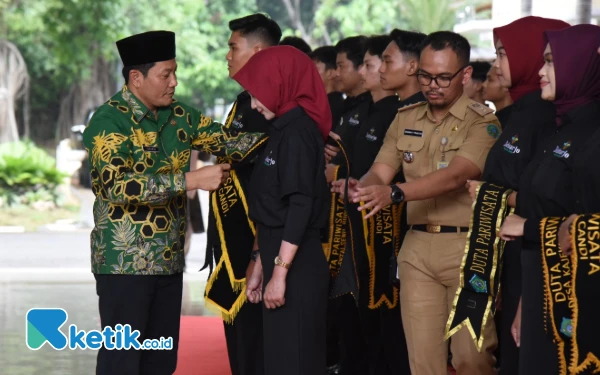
230,236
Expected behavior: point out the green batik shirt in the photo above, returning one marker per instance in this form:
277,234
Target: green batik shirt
138,163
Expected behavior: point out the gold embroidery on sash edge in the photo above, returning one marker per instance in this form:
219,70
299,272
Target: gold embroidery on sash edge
549,247
369,227
580,245
498,249
238,285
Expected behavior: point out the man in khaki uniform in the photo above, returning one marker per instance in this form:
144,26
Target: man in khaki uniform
439,144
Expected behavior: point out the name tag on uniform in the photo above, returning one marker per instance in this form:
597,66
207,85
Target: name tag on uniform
442,164
150,149
413,133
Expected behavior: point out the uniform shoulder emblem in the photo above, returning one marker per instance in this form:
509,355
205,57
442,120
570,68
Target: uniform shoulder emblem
411,106
480,109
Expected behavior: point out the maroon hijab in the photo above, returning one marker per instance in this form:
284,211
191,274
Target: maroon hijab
283,78
576,66
523,41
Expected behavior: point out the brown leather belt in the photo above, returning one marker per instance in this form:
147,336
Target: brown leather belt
438,228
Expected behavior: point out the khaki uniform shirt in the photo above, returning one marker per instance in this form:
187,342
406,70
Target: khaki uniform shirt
470,128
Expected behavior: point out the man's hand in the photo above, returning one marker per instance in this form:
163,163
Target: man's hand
207,178
472,185
513,227
254,281
331,151
275,293
375,197
339,186
564,237
515,328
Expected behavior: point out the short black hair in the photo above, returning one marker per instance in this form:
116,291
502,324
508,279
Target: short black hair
296,42
326,55
144,68
376,44
440,40
354,47
257,25
480,70
409,42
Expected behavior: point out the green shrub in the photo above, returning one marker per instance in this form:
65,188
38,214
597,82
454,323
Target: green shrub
28,174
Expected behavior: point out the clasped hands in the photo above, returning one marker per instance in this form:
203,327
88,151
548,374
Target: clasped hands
375,197
274,295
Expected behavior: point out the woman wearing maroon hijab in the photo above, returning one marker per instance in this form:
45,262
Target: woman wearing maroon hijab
562,179
288,196
519,47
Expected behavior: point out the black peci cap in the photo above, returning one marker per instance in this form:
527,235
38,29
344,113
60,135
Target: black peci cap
148,47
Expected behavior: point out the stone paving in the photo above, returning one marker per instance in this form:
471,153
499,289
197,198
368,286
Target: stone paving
51,269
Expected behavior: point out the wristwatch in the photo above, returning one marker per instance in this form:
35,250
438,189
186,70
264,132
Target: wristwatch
254,255
279,262
397,194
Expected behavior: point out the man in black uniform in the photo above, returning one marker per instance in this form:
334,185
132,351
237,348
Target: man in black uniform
230,236
400,65
342,309
350,54
324,59
474,88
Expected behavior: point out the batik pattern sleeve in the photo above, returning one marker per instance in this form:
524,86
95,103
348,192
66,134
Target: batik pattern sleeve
113,177
214,138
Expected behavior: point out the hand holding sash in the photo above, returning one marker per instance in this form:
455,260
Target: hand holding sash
472,186
564,237
374,197
339,187
513,227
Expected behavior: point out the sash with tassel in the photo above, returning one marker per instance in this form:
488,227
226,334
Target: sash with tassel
383,239
230,237
475,300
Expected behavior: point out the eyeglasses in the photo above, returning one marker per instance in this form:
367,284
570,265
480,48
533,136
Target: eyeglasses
443,82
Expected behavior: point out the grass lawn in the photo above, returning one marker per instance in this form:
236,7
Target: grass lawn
31,219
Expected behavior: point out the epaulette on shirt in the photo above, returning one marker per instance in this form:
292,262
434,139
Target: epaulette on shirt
411,106
480,109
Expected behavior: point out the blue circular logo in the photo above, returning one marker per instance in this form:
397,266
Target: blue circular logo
493,131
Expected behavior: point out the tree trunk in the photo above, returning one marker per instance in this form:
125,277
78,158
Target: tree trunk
14,84
525,8
84,96
584,11
295,12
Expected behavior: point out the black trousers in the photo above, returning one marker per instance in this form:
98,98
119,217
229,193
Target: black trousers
149,304
245,341
538,354
511,293
295,334
386,349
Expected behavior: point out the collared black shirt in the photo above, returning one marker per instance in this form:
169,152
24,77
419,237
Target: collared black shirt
356,111
586,164
413,99
288,188
336,103
243,118
531,120
503,115
547,185
372,131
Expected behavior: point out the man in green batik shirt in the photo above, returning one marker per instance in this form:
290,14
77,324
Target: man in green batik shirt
139,145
